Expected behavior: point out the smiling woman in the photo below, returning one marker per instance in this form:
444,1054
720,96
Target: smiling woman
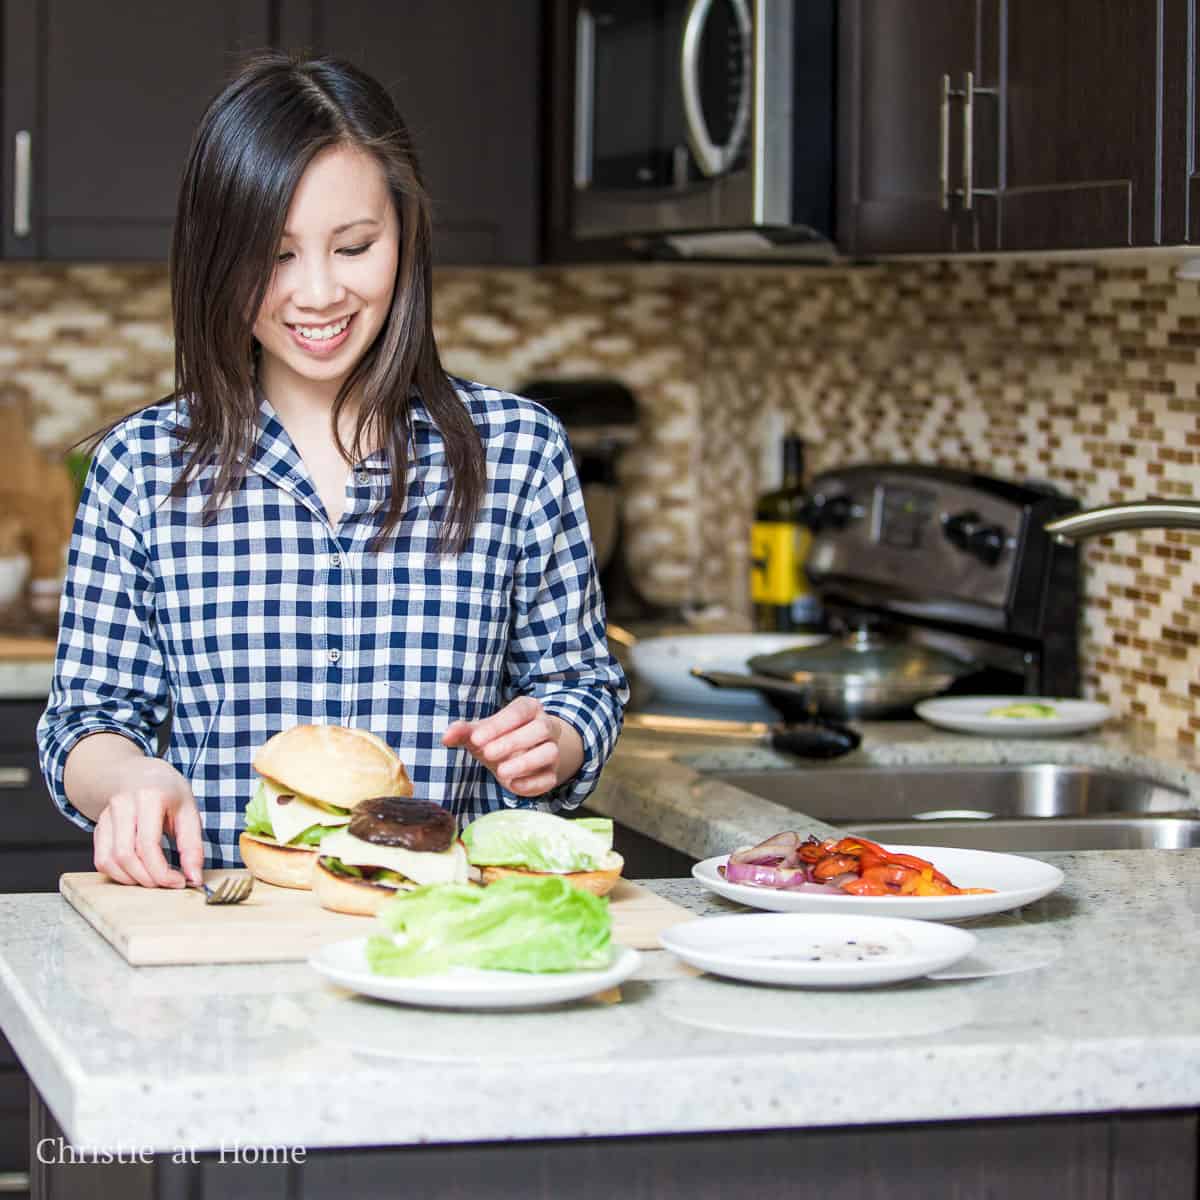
319,526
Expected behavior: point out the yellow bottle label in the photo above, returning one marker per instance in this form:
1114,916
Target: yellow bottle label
778,551
772,562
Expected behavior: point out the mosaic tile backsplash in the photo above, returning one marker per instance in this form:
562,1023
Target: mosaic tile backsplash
1083,375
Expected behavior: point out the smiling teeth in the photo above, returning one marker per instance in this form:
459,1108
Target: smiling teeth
324,332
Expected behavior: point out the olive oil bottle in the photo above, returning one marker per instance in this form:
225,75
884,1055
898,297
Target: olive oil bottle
779,542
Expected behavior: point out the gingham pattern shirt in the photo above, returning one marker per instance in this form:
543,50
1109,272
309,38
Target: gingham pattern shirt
271,617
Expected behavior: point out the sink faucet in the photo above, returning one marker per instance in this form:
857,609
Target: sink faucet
1139,514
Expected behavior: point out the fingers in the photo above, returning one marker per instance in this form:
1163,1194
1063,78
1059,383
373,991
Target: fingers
128,840
189,842
151,822
513,715
102,846
122,810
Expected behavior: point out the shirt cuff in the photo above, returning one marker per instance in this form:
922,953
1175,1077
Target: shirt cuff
54,764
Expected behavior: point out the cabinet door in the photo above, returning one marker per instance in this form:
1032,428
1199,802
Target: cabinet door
891,139
1082,92
109,95
1181,123
466,77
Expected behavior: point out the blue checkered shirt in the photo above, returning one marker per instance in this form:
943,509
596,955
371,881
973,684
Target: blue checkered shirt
270,617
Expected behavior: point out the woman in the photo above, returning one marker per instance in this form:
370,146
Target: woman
319,525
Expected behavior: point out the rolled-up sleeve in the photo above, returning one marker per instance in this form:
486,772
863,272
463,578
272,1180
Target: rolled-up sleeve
108,673
559,648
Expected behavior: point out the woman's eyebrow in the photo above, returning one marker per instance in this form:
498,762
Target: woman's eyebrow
287,233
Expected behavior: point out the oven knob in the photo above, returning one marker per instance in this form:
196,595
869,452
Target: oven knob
969,532
829,512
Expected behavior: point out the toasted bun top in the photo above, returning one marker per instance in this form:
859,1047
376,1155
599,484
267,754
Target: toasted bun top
333,764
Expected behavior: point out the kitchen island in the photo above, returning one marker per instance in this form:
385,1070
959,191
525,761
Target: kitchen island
1063,1058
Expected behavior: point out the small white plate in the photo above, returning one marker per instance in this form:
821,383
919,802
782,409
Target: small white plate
969,714
1016,880
817,949
345,963
665,663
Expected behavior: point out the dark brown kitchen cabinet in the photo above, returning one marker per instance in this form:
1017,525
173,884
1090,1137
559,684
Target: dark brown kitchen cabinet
891,135
100,101
467,79
1062,126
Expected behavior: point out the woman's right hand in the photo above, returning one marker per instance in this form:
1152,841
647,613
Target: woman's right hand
153,799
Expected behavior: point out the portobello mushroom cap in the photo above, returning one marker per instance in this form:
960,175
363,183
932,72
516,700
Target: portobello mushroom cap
402,821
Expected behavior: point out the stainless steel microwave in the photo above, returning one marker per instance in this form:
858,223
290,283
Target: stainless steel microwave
705,126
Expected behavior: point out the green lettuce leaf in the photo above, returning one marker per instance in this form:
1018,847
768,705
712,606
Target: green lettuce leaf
524,837
515,924
258,820
258,816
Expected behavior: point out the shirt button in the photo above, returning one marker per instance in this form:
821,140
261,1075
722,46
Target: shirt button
363,477
334,655
335,561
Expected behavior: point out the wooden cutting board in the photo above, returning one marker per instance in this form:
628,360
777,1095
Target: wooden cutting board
166,927
27,649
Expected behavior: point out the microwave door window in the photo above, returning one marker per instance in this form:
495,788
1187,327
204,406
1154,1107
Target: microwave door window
638,133
640,124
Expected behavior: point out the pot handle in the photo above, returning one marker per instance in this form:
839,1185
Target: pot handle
741,681
821,739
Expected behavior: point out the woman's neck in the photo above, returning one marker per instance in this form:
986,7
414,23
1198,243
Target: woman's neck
306,405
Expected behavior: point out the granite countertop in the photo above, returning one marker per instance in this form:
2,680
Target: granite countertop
1084,1001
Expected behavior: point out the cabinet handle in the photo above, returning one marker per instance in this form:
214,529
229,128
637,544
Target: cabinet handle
585,99
944,144
968,93
22,182
15,777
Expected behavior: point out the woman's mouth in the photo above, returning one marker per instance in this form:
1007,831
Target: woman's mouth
322,339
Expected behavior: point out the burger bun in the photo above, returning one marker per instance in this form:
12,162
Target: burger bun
341,893
599,883
284,866
333,764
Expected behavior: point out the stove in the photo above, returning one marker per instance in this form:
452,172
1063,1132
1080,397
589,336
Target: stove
954,560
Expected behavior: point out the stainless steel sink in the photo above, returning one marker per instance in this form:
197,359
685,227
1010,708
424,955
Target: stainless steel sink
1036,833
1037,806
929,792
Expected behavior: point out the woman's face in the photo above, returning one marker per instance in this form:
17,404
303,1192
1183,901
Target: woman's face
335,273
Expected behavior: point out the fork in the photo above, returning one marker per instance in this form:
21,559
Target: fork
233,889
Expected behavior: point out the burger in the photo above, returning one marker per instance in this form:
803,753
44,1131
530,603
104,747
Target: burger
520,841
311,776
392,844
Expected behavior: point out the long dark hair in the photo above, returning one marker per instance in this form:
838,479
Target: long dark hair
248,154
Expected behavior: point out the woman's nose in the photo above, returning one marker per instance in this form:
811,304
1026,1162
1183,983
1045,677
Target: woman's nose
318,285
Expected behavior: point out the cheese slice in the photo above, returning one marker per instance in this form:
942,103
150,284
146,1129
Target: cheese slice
422,867
293,817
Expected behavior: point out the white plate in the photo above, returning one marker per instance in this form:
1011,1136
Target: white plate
817,949
969,714
665,663
1016,880
467,987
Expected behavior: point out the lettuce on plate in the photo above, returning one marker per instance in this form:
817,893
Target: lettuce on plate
516,924
538,841
258,821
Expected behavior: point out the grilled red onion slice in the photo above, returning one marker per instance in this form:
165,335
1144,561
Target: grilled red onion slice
762,875
777,851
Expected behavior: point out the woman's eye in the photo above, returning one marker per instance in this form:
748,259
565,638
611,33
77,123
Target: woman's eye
284,256
354,251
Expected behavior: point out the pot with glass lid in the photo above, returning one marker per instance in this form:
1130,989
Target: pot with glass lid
866,673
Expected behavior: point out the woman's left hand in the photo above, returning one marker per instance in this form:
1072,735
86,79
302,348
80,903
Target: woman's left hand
528,750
